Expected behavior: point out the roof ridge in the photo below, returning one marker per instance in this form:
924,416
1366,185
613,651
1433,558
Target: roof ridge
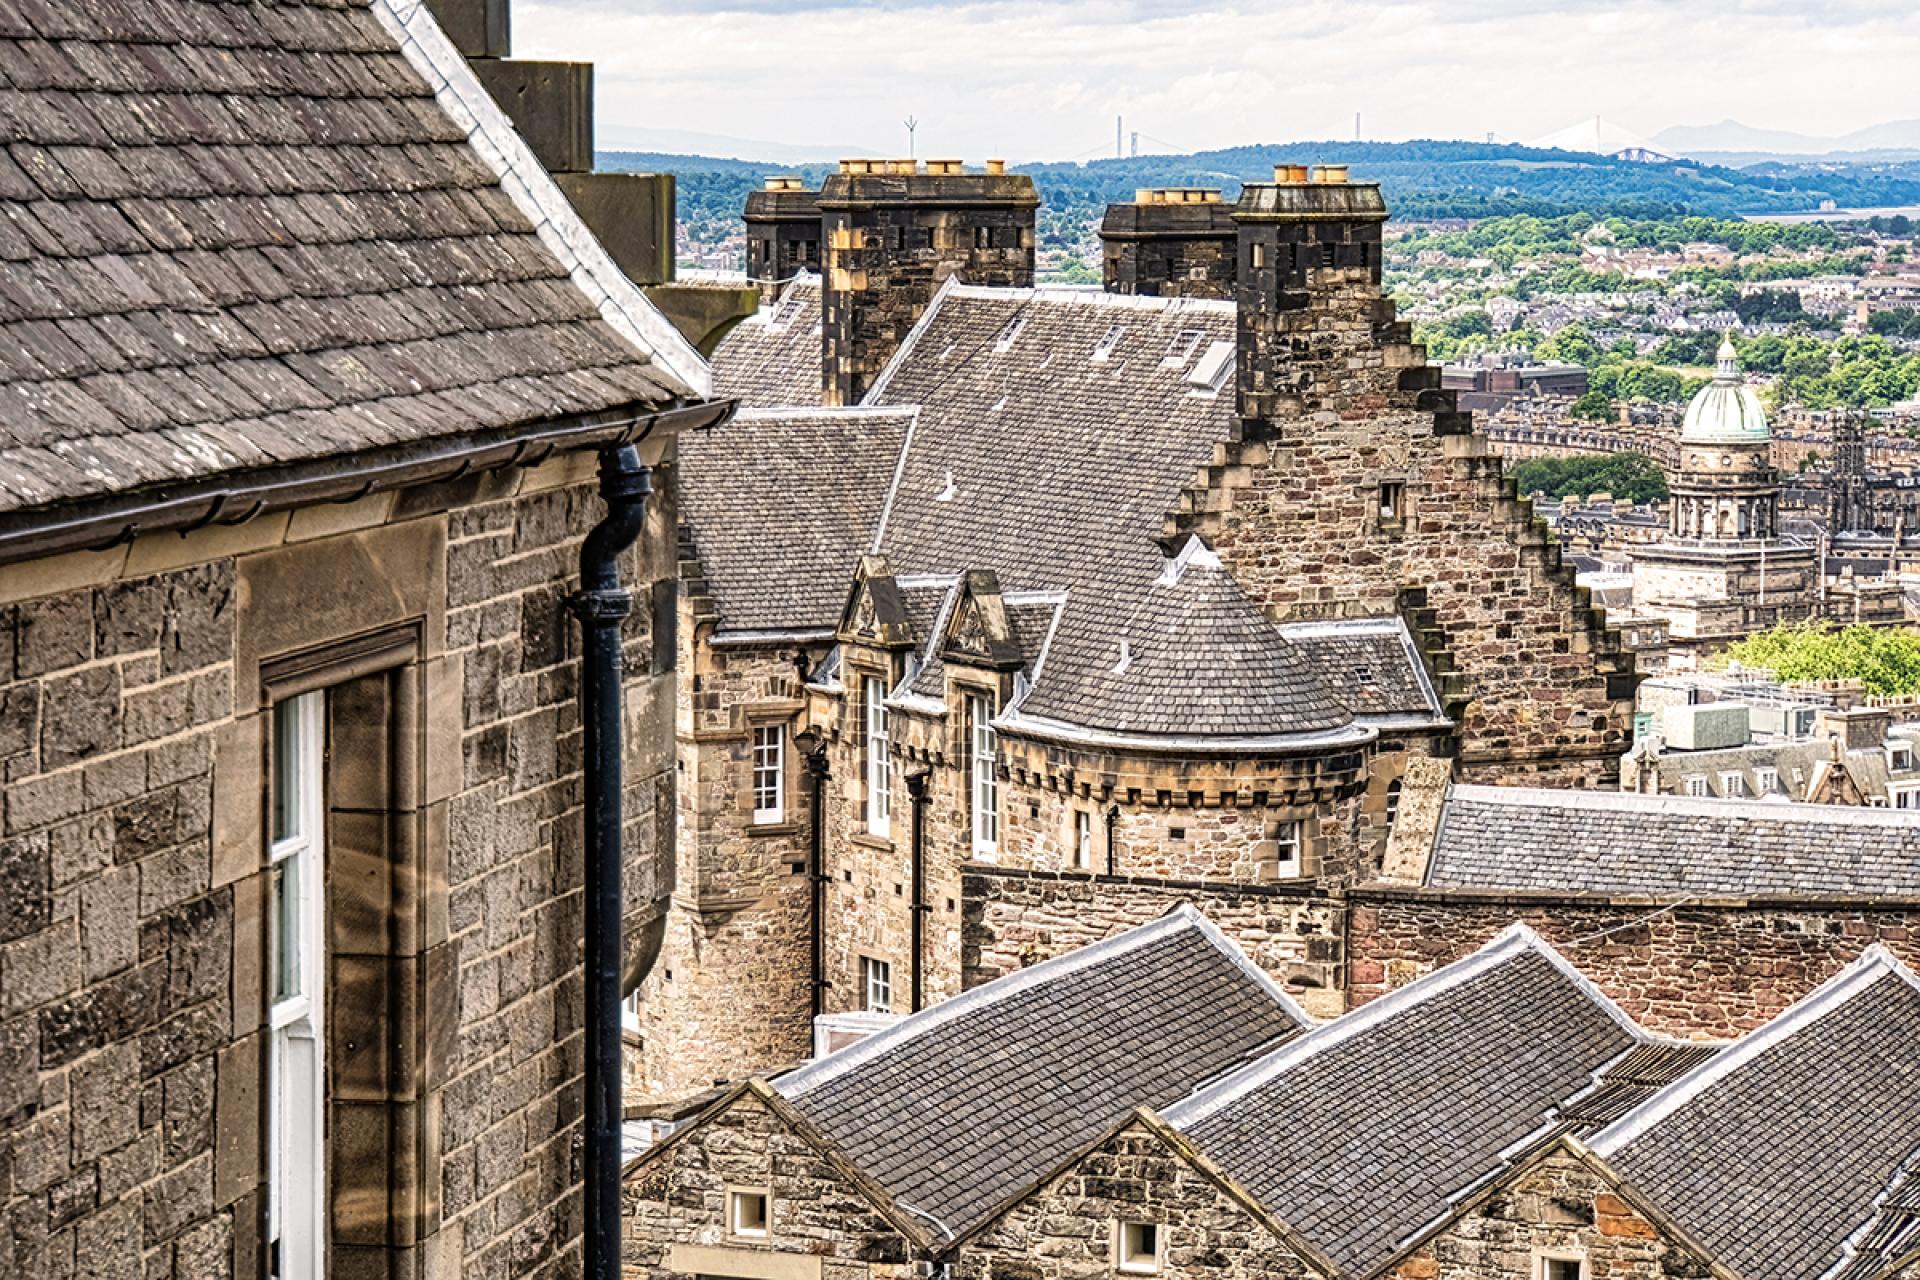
797,1082
1639,802
1090,295
499,146
1873,965
1515,940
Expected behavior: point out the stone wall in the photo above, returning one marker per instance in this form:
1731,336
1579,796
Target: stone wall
1699,970
1558,1206
1067,1229
1542,688
730,993
1018,918
134,722
820,1225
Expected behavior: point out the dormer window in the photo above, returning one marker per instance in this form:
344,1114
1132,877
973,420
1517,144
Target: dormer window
1108,341
1899,756
1137,1248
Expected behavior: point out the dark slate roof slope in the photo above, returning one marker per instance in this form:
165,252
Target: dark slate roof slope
959,1109
1614,842
1195,655
1361,1133
772,359
1372,667
1783,1154
778,547
240,235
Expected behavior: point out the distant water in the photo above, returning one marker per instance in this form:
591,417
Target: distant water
1837,215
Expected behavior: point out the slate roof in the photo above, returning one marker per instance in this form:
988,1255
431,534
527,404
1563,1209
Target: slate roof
248,234
1625,843
1056,430
772,358
1371,667
791,565
1195,656
1361,1133
961,1108
1780,1155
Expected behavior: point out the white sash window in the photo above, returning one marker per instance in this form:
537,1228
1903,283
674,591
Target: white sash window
879,763
296,981
984,750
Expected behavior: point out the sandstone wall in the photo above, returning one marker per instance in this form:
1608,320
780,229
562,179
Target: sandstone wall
1066,1230
133,689
1018,918
1558,1208
820,1227
1697,970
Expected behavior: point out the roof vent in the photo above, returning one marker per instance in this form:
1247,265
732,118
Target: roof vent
1126,659
949,493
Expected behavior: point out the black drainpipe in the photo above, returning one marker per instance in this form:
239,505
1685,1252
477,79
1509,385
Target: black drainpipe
1113,820
601,605
817,869
917,789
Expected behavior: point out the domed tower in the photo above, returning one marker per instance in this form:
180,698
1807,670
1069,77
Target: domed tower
1723,570
1725,487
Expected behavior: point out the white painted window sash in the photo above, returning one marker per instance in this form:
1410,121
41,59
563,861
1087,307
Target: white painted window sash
986,786
769,773
296,1158
879,765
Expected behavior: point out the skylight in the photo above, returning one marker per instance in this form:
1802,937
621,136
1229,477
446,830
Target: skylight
1004,343
1108,342
1185,343
1213,368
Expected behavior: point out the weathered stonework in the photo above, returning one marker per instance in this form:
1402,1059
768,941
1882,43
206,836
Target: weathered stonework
1559,1205
1068,1228
134,721
821,1224
1018,918
1698,969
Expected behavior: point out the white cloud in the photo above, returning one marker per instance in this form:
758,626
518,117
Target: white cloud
1044,80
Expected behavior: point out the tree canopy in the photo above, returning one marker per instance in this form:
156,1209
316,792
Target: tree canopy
1883,660
1633,477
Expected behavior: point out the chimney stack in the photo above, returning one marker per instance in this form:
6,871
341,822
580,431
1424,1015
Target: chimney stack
783,233
1308,260
891,233
1171,242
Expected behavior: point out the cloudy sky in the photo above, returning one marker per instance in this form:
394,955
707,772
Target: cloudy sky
1043,79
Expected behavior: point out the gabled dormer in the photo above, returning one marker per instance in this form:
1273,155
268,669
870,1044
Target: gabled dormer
875,614
978,633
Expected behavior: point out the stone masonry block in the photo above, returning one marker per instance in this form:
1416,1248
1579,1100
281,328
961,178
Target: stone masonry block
550,103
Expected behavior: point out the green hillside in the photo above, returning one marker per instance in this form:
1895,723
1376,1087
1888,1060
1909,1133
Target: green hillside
1421,180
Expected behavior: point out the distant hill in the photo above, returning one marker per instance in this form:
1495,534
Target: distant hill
1730,137
1421,180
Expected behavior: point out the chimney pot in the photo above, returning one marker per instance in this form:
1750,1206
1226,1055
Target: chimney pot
996,167
945,167
1330,174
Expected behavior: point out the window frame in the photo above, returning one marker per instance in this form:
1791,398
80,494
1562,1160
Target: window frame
983,782
1694,786
1289,833
1766,779
876,985
1733,784
1132,1261
1082,840
1390,501
1544,1265
296,1056
877,762
738,1196
768,777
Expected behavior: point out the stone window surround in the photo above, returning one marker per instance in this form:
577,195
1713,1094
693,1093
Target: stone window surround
1544,1260
854,680
739,1198
1129,1257
361,615
758,715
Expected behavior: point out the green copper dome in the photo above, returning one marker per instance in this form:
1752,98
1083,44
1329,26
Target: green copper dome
1726,411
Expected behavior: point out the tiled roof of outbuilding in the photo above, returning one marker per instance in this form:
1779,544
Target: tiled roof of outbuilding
1363,1132
1625,843
1781,1153
960,1108
789,565
772,358
240,235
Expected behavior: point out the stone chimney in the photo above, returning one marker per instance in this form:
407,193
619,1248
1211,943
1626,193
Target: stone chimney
1171,242
1855,728
783,232
892,231
1309,283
